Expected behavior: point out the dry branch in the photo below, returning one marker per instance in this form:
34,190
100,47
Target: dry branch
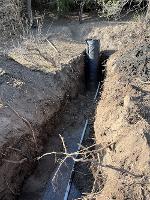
15,161
52,45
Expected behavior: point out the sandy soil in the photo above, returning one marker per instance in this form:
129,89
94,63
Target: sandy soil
123,121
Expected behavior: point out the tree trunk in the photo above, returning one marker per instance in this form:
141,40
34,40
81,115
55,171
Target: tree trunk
148,12
80,13
81,10
29,12
58,9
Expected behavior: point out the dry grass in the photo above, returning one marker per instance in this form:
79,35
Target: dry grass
10,18
45,55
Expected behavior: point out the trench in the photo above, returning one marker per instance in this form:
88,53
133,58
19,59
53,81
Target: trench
69,122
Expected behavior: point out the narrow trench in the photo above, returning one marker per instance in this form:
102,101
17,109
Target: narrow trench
69,124
83,179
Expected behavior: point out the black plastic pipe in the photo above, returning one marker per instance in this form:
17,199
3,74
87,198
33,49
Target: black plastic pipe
92,63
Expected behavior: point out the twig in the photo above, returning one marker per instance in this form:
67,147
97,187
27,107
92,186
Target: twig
62,139
48,59
15,162
97,174
11,189
52,45
61,163
18,150
72,155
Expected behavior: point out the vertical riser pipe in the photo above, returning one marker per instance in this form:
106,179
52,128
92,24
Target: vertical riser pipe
92,63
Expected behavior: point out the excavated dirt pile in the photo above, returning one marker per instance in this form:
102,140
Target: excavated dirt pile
123,124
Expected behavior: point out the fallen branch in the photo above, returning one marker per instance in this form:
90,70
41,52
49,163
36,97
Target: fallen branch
52,45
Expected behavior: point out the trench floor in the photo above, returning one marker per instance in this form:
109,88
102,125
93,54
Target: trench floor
39,186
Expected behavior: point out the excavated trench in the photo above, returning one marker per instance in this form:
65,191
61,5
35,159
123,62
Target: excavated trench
69,123
64,114
63,109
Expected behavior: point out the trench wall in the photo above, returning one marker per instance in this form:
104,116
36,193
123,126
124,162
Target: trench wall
122,124
29,100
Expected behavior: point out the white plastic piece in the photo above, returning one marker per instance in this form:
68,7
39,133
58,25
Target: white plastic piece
95,97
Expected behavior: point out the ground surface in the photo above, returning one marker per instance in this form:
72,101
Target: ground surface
37,76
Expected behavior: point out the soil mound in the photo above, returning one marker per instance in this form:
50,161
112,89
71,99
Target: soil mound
123,123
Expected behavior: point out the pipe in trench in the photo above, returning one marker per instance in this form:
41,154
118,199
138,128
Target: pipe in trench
70,180
81,140
92,61
92,65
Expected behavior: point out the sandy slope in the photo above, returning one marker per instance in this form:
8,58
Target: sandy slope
123,120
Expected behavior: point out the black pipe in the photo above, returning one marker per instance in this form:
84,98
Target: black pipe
92,63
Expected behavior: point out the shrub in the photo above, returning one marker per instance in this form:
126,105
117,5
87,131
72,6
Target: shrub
114,7
10,17
64,6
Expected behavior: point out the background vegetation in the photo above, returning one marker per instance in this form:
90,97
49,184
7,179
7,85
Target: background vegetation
103,7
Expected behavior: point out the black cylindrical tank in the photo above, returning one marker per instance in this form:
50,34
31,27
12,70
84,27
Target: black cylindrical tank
92,62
